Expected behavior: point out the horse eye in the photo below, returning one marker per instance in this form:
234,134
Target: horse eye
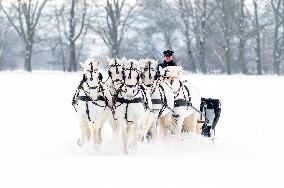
145,69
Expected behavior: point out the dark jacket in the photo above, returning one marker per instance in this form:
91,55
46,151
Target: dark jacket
165,64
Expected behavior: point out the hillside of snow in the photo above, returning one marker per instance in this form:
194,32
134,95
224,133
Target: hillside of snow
39,130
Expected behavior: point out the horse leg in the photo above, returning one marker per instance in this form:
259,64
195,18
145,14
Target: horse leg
178,128
83,126
88,133
188,124
154,130
125,136
163,130
93,131
100,135
133,134
149,125
114,126
198,125
97,138
195,117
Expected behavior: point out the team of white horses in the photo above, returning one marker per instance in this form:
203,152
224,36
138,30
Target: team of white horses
136,102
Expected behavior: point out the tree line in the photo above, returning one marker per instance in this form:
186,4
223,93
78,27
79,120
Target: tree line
208,36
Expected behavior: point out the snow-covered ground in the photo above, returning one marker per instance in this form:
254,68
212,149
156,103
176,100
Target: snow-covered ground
38,133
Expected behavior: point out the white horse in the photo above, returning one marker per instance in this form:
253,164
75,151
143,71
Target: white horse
162,98
93,103
130,107
187,101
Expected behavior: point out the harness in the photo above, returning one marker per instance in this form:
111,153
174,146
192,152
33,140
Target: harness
87,98
127,102
135,99
184,102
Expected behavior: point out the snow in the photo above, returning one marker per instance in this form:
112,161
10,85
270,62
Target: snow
38,133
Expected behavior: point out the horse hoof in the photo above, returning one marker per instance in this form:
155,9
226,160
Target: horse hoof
125,152
79,142
97,147
133,147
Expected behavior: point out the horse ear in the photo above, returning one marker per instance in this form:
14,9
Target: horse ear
109,73
157,75
100,77
84,78
123,75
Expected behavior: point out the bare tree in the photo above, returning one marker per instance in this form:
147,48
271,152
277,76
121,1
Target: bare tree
226,23
3,34
282,44
257,38
58,14
202,38
185,10
27,17
276,5
161,17
71,34
118,15
241,36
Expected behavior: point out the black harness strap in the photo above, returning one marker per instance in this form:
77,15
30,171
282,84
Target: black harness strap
165,102
163,99
74,100
135,100
84,98
129,101
157,101
180,102
146,102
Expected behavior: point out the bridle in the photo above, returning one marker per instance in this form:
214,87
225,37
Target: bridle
116,65
92,70
131,69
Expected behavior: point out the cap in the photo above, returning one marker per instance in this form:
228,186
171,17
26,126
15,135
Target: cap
168,53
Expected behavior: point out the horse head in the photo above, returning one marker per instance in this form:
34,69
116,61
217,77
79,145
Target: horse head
91,71
131,75
115,69
173,74
149,70
92,76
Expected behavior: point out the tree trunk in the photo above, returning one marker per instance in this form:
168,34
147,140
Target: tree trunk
203,40
276,47
28,56
257,39
73,64
227,47
115,51
242,39
72,55
276,53
228,57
